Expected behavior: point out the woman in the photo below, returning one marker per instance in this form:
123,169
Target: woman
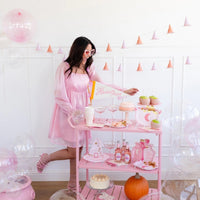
71,94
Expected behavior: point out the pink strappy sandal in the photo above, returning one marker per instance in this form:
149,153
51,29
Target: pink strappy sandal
44,159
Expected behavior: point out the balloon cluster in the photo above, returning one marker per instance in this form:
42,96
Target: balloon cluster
19,25
185,134
185,154
15,162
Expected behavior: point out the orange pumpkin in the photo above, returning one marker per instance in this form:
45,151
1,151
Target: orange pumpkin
136,187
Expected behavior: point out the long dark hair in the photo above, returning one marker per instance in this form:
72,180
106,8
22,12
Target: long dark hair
76,52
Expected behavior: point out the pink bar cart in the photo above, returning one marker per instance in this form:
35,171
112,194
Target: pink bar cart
117,191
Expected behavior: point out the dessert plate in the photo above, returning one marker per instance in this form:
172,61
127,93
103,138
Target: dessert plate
94,125
145,166
91,158
118,124
113,163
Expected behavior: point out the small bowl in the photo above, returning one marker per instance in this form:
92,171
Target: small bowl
100,109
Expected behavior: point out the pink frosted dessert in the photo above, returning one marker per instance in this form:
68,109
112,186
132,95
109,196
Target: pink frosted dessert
155,124
126,106
144,100
154,100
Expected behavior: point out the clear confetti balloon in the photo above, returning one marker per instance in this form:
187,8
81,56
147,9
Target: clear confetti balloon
184,156
8,160
180,189
157,196
189,112
24,148
19,25
175,124
8,165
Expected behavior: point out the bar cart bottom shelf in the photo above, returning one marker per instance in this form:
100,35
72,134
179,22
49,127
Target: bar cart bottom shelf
117,191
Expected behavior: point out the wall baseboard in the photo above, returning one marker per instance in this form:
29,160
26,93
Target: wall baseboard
62,176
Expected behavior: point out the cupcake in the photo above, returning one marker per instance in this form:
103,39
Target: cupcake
144,100
154,100
155,124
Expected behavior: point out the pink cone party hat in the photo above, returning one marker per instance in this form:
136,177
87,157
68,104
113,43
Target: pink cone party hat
139,68
153,67
60,51
49,50
64,57
139,41
170,29
105,68
188,62
154,37
108,49
186,23
119,68
123,45
170,64
38,48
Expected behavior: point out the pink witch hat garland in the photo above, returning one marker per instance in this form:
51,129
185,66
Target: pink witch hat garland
170,64
153,67
154,37
139,68
139,41
123,45
60,51
38,48
170,29
186,23
188,62
108,49
119,68
49,50
105,68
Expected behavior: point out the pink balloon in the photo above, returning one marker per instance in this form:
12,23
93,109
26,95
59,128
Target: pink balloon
19,25
8,160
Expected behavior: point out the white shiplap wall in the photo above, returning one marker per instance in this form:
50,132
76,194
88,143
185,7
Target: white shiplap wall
27,87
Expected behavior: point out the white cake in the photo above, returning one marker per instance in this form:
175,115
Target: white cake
99,181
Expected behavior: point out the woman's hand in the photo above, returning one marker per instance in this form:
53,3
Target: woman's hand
131,91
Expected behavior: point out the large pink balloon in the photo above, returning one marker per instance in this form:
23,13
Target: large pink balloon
19,25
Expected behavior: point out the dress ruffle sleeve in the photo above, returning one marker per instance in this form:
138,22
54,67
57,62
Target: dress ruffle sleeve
61,97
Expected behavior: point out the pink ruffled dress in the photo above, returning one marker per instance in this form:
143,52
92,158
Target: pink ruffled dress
71,93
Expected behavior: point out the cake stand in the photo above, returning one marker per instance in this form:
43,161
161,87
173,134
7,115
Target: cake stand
127,115
99,191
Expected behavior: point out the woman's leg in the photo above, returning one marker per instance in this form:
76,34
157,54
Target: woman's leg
72,179
63,154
